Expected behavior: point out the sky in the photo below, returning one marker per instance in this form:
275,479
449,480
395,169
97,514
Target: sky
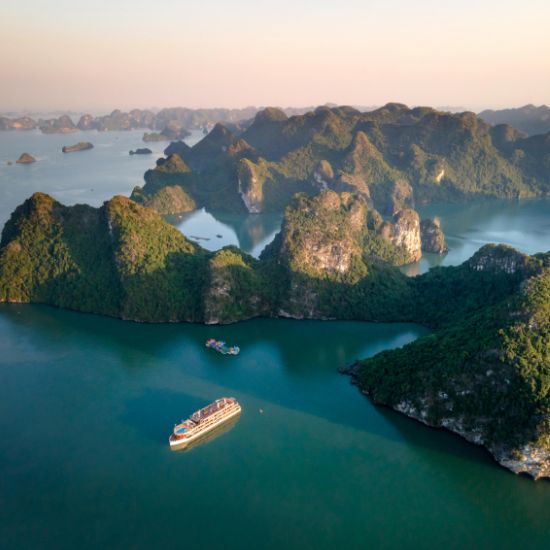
97,55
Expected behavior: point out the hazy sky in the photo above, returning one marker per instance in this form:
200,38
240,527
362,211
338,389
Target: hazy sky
101,54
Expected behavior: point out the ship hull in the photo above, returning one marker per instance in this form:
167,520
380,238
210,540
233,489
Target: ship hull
178,444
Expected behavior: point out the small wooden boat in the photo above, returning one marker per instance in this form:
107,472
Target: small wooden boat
222,347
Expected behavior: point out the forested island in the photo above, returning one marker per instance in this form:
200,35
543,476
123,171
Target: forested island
529,118
394,157
484,372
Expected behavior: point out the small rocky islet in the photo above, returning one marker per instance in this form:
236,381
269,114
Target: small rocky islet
80,146
25,158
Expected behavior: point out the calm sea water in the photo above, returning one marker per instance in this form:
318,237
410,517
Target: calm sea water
87,404
91,176
525,225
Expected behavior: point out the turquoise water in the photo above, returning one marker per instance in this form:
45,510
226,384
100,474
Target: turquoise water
525,225
87,404
250,233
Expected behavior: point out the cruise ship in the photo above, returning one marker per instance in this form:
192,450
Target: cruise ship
203,421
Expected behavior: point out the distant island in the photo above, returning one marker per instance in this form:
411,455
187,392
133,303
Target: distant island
173,122
166,135
483,372
25,158
394,157
80,146
529,119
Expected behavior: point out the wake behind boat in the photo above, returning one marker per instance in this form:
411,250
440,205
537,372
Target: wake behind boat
204,421
222,347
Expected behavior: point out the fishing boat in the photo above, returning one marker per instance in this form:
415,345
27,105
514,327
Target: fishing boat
222,347
203,421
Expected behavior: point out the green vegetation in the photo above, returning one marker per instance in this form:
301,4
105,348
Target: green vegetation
484,372
239,287
168,200
335,264
529,118
120,259
392,156
124,260
57,255
161,272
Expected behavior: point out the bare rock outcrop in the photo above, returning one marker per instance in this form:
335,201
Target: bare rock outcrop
250,183
404,232
432,237
25,158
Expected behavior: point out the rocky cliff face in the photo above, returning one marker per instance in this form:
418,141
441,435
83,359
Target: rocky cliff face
321,236
502,258
330,233
404,233
323,175
330,250
319,243
86,122
394,157
21,123
531,459
401,197
432,237
457,404
250,182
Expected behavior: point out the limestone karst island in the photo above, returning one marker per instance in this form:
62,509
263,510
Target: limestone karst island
292,289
